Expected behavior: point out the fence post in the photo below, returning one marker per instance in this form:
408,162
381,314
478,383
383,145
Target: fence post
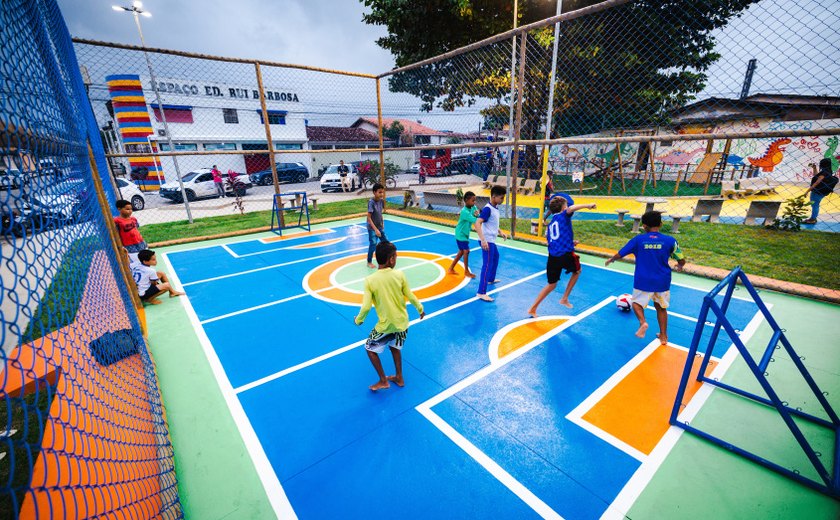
267,125
520,82
379,124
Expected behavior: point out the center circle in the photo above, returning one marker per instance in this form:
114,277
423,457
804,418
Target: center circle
342,280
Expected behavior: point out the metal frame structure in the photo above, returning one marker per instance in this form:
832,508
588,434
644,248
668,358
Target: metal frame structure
830,476
278,210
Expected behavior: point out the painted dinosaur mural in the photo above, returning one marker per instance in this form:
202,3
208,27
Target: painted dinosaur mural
678,157
773,156
831,152
610,156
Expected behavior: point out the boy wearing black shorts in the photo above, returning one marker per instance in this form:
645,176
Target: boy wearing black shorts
561,251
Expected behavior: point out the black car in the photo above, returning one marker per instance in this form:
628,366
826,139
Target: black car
286,172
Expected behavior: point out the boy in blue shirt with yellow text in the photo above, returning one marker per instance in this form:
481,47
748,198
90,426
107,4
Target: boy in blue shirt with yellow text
652,278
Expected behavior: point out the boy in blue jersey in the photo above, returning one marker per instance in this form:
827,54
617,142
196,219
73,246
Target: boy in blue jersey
652,278
561,251
487,227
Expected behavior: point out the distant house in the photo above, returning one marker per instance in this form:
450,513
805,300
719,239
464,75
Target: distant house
341,138
420,134
770,107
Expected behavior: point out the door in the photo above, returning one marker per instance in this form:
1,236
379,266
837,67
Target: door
204,185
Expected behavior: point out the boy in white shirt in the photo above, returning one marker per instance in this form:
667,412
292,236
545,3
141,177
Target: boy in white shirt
487,227
150,283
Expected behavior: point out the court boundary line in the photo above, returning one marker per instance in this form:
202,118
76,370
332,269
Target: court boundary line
636,484
268,477
493,346
490,465
286,371
298,261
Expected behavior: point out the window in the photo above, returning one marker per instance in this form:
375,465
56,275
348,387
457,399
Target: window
219,146
275,117
422,139
174,113
206,177
286,146
230,115
180,147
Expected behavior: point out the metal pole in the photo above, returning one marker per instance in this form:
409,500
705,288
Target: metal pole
379,124
512,92
549,116
267,125
163,118
520,83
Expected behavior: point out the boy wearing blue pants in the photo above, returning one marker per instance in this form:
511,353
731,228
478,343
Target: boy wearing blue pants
375,222
487,227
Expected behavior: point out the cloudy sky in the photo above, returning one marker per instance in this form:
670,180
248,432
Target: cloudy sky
324,33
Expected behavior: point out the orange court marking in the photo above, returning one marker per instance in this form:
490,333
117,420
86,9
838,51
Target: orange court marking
525,333
318,283
295,235
637,409
321,243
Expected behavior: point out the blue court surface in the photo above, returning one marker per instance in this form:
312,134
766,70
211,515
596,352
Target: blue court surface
501,416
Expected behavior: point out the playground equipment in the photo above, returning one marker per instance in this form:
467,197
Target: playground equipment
829,482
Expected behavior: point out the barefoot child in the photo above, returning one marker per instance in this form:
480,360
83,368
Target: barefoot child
462,234
561,251
487,227
387,289
652,278
150,283
375,222
129,230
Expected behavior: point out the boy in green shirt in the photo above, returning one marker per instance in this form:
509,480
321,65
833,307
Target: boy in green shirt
387,289
462,233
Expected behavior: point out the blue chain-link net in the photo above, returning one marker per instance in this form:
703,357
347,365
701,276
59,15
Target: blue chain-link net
82,428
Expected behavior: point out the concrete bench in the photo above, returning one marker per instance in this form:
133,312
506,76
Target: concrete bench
710,207
314,201
675,223
621,213
440,198
637,220
766,209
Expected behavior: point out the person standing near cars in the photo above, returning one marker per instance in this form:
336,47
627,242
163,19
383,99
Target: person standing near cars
344,173
218,181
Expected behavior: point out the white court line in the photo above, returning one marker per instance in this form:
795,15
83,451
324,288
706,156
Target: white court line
274,266
351,346
313,293
504,478
273,489
229,250
642,477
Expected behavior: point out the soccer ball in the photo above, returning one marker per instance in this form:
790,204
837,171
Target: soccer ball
624,302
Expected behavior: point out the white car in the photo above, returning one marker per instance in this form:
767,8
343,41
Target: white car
331,180
130,192
199,184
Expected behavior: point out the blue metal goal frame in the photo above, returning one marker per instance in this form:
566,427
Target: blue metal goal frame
298,201
830,477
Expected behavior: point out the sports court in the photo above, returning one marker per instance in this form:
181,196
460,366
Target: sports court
564,416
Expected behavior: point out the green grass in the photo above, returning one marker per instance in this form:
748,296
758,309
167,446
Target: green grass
805,257
634,188
210,226
60,302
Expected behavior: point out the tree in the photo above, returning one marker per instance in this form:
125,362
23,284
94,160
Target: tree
394,131
618,68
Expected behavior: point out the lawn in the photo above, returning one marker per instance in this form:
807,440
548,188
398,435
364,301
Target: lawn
803,257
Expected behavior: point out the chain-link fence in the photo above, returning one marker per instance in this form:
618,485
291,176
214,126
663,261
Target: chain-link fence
83,432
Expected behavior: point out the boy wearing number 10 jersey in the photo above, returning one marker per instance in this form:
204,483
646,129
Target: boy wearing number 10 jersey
561,251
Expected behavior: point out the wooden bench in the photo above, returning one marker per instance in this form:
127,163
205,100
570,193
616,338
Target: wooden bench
710,207
766,209
491,181
621,213
528,186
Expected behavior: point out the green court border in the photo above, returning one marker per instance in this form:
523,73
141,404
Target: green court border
696,480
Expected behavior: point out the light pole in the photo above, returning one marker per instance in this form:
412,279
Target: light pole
549,114
137,10
510,118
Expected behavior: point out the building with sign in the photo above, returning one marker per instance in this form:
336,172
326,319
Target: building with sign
203,117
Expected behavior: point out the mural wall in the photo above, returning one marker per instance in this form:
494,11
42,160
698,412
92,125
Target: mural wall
782,159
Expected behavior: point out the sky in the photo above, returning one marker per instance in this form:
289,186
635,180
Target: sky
323,33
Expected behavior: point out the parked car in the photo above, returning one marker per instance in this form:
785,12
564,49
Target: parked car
199,184
40,212
331,180
12,179
415,169
130,192
286,172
